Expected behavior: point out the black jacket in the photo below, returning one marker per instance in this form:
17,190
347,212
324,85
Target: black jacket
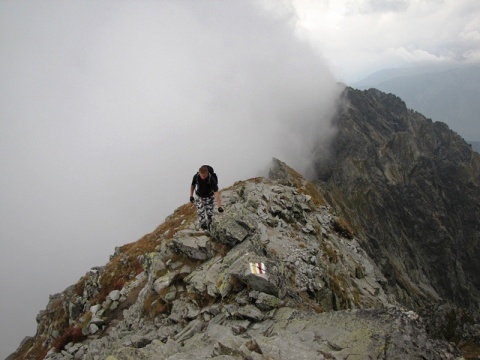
204,188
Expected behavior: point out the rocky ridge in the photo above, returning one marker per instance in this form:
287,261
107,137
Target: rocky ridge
475,145
410,188
280,276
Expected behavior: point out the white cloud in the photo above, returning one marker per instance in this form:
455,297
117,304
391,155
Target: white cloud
376,6
472,56
108,108
357,37
414,55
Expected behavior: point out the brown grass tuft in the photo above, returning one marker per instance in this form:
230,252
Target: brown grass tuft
221,249
202,300
154,306
338,286
72,334
80,285
32,349
341,226
317,197
330,253
253,346
124,266
470,350
185,214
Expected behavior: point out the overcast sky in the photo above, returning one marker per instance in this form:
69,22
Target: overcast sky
107,109
359,37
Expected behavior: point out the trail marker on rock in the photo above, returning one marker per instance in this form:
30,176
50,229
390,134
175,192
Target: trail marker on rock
258,268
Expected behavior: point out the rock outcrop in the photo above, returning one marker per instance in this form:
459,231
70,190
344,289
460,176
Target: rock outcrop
410,188
280,276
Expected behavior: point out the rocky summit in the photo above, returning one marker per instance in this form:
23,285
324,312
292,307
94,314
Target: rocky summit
279,276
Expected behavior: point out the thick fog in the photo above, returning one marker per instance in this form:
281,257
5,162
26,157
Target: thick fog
108,108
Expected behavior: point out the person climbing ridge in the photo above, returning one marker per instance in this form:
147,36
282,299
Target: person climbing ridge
205,185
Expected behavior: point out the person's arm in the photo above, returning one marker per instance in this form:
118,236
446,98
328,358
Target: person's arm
219,201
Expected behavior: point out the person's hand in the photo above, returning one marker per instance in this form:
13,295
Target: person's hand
220,209
192,199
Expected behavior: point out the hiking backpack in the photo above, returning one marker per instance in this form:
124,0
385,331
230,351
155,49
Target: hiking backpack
212,172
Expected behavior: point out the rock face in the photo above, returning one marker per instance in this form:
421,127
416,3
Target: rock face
410,189
447,94
280,276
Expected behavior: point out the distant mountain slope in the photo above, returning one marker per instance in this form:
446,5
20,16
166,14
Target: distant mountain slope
448,95
411,189
475,145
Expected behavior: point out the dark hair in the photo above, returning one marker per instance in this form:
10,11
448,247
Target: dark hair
203,169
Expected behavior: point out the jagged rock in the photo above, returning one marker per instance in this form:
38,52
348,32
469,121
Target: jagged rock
93,328
171,294
157,263
205,278
95,325
226,230
75,307
138,341
279,172
191,329
239,327
193,245
114,295
164,282
250,312
265,280
265,301
179,311
95,308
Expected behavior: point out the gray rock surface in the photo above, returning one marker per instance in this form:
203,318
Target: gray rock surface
275,278
410,188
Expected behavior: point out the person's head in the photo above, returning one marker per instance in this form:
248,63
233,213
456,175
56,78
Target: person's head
203,171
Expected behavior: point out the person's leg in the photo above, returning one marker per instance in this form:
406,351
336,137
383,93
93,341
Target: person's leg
209,206
202,221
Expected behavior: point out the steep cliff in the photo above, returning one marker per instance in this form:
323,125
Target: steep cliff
280,276
410,188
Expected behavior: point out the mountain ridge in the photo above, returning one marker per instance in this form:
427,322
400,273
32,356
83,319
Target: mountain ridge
375,143
196,295
443,93
418,182
475,145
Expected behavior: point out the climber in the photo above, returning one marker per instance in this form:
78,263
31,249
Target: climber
206,184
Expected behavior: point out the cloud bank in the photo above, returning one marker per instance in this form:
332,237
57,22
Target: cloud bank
359,37
108,108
